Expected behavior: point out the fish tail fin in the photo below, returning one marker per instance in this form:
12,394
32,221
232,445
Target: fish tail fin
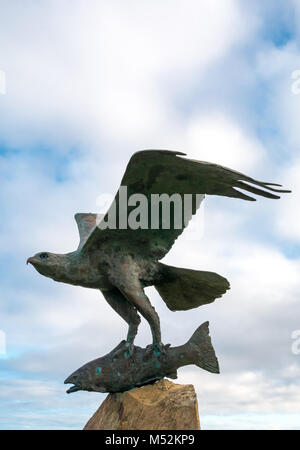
201,343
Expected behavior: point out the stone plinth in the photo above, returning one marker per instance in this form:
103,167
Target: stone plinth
160,406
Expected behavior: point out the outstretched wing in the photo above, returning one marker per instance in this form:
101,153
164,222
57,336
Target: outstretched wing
167,172
86,222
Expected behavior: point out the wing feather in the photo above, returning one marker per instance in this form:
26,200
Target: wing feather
164,171
86,222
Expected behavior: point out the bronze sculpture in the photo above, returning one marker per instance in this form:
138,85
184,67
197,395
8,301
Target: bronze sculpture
121,261
118,374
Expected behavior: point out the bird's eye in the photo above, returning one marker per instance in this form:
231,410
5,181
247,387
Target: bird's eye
44,255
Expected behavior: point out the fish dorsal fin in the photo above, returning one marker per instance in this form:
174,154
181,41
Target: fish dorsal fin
86,222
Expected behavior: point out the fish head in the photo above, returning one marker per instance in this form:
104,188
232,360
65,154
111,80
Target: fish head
91,377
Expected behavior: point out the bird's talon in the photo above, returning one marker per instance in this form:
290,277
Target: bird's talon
126,349
158,349
129,352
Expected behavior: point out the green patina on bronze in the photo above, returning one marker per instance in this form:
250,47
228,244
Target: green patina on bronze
122,262
142,367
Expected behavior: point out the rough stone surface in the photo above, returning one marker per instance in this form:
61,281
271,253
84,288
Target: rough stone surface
160,406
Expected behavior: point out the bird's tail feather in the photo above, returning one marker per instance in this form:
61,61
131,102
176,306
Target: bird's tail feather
183,289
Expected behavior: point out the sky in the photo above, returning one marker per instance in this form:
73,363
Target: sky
86,85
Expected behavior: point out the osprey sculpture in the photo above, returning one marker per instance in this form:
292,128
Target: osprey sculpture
121,261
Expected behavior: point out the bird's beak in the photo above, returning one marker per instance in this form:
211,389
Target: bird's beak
29,260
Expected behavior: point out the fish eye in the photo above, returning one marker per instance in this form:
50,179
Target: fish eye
44,255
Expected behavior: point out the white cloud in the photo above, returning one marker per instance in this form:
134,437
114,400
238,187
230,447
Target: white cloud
41,404
104,71
216,138
288,213
104,77
276,66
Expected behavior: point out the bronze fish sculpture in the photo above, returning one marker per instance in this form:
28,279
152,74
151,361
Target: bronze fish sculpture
126,371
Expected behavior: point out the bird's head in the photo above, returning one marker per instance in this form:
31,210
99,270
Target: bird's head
48,264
